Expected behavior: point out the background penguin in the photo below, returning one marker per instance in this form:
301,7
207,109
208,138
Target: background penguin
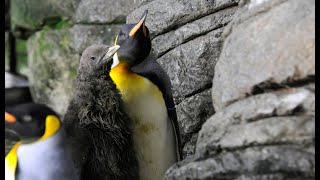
42,152
98,127
146,90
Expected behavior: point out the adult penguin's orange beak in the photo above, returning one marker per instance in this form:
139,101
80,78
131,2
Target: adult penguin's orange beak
139,25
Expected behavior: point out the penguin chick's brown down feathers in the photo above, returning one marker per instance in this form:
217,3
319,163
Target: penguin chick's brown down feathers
97,126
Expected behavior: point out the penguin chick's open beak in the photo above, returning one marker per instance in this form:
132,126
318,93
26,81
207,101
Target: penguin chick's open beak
9,131
112,50
141,22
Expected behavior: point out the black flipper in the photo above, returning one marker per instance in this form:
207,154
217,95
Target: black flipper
151,69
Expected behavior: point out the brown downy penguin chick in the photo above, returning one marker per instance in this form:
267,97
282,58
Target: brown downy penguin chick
97,126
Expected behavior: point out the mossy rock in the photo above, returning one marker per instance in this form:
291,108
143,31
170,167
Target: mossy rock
54,57
33,14
21,56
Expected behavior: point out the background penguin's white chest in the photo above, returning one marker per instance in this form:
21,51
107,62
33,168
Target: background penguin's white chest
9,173
153,133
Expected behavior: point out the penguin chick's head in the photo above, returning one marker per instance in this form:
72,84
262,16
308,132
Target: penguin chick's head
96,60
31,122
135,42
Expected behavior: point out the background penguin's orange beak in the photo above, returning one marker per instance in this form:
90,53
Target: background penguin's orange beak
140,23
9,118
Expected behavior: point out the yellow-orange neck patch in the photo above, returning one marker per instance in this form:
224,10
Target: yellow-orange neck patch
11,161
52,126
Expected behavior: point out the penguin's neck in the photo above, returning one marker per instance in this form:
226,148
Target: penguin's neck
121,68
124,62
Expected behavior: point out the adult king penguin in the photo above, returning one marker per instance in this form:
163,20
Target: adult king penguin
42,152
146,91
98,128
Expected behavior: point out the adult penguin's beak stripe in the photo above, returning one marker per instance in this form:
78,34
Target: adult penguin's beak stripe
141,22
112,50
9,118
115,42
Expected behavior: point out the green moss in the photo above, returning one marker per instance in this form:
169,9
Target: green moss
35,14
22,56
62,24
64,41
21,16
56,23
21,45
73,73
43,44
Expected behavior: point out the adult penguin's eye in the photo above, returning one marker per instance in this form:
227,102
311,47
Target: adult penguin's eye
93,58
122,34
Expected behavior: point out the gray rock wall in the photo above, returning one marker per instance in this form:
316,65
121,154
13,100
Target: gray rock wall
263,92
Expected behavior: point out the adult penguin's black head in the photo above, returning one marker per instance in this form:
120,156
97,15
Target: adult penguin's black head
135,42
31,122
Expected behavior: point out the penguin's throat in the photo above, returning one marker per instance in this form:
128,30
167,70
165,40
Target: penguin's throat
129,61
103,71
124,65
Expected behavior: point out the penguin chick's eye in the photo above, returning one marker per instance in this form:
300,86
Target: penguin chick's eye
26,118
93,58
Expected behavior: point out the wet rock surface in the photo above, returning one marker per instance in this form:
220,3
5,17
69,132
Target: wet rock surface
269,162
101,11
167,15
193,112
270,118
191,65
277,48
263,93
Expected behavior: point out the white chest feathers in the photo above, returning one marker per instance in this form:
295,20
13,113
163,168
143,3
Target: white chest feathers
153,133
